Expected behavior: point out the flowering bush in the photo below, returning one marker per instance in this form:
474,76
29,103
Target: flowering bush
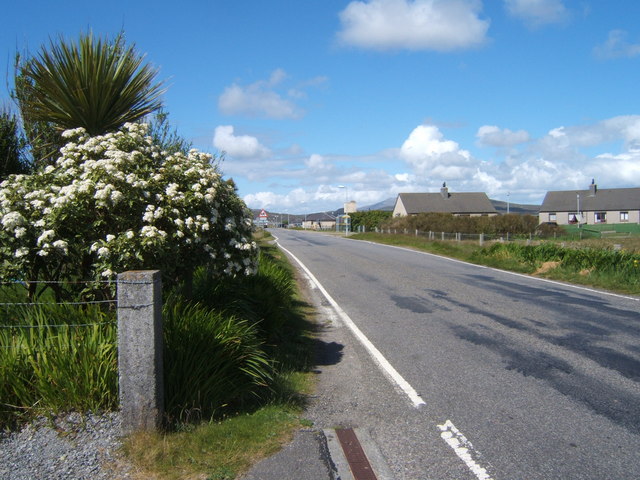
115,202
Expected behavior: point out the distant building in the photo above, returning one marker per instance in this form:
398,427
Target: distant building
319,221
469,204
593,206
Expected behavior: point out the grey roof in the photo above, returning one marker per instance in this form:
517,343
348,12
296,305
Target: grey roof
604,199
320,217
465,203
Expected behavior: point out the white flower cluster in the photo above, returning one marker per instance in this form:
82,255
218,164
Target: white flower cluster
115,202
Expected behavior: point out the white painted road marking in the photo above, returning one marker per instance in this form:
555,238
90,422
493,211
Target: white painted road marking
382,362
515,274
449,433
463,448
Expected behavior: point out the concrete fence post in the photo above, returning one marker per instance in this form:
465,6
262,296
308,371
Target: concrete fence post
140,364
481,239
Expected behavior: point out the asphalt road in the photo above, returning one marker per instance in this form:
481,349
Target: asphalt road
520,378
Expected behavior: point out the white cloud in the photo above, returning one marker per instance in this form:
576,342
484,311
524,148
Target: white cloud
239,146
617,46
259,99
495,137
567,157
316,164
440,25
430,154
537,13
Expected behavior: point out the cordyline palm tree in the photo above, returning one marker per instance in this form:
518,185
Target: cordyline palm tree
95,84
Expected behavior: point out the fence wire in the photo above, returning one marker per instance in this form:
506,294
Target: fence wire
6,306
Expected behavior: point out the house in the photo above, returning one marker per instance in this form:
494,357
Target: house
466,204
319,221
592,206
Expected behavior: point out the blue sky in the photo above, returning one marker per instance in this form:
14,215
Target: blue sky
509,97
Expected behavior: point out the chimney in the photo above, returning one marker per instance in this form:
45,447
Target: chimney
444,191
593,188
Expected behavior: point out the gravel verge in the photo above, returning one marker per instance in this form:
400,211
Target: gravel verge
72,446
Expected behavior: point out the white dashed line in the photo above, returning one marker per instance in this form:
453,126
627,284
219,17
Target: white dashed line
464,449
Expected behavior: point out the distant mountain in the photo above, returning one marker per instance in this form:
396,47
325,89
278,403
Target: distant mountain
500,206
385,205
518,208
388,204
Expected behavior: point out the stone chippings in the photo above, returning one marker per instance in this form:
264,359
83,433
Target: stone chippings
72,446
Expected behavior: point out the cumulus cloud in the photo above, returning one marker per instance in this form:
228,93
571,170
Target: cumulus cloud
617,46
566,157
537,13
430,154
259,99
239,146
440,25
493,136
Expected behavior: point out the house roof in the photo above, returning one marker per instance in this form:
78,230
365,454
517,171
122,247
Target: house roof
603,199
450,203
320,217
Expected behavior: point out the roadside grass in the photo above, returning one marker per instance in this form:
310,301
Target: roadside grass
216,450
225,442
590,262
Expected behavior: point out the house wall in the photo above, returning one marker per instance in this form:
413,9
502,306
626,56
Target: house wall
398,209
612,216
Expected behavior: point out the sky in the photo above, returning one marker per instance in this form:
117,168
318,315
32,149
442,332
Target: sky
310,103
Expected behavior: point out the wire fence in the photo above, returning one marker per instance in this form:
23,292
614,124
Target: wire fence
32,313
480,238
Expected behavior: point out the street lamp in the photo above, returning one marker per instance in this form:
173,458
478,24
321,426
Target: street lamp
304,225
345,216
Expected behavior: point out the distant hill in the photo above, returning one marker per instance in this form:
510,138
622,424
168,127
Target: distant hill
385,205
518,208
388,204
500,206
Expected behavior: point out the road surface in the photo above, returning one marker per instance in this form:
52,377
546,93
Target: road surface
505,376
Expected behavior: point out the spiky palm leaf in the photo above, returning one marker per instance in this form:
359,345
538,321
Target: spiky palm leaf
95,84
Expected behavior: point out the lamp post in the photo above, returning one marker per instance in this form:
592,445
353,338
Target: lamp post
304,225
578,214
344,209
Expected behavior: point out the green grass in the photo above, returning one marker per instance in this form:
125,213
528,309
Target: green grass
55,358
587,262
234,434
218,450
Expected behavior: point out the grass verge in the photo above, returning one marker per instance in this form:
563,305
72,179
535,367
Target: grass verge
589,263
237,435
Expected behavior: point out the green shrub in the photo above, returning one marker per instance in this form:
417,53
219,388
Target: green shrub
56,358
263,299
212,360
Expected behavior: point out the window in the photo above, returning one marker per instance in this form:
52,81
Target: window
553,217
624,216
601,217
573,217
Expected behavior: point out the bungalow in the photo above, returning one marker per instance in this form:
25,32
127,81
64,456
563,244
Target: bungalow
592,206
319,221
460,204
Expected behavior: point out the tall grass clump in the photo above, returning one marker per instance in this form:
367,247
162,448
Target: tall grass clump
212,361
56,358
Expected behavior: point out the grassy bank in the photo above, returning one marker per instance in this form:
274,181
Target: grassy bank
233,436
237,359
592,262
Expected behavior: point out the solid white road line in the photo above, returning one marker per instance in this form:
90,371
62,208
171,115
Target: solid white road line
463,448
382,362
515,274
